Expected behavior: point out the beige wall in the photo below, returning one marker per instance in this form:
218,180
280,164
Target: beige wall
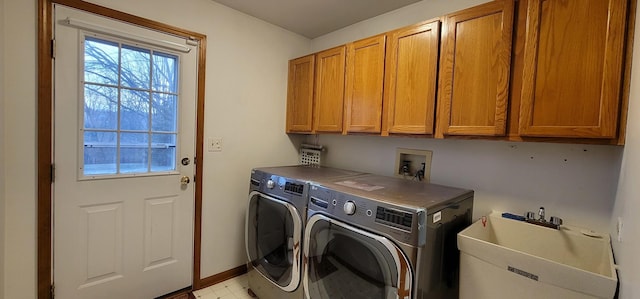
506,176
245,105
2,118
411,14
627,203
20,148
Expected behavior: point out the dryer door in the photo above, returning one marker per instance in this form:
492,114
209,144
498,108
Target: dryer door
346,262
273,234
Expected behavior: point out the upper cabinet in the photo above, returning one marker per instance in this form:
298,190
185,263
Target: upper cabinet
329,95
572,68
475,69
534,70
410,79
300,95
364,82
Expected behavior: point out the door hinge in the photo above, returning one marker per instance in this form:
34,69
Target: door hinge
52,291
52,172
53,49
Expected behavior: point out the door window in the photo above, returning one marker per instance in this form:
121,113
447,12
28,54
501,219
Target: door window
129,109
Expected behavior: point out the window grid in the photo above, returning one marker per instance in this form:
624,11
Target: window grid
150,93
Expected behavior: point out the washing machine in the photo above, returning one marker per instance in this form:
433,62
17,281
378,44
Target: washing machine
275,221
378,237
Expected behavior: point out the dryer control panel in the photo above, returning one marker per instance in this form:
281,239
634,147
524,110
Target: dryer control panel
400,223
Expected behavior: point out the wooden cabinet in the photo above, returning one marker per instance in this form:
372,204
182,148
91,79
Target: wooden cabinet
561,78
475,70
329,94
573,65
300,95
364,82
411,78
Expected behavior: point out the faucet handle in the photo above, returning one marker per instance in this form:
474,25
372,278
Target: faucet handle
556,220
530,216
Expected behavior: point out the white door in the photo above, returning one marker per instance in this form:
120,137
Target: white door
124,110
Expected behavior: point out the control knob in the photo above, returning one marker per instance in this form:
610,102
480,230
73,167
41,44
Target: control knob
349,208
271,184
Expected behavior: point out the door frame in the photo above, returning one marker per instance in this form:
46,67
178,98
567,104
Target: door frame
45,131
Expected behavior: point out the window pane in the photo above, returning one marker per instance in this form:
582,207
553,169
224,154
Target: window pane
165,72
99,153
134,114
100,107
130,95
100,61
134,152
163,152
136,67
164,112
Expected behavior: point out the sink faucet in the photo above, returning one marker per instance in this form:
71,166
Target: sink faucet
554,222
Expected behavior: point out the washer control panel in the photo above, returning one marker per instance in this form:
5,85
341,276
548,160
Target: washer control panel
282,187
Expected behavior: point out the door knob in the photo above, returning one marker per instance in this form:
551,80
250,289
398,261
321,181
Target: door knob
185,180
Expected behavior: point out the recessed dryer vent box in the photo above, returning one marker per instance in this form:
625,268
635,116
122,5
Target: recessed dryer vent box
413,164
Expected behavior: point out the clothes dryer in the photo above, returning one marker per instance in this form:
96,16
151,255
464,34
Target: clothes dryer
275,221
378,237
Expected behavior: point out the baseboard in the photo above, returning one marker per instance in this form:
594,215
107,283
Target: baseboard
220,277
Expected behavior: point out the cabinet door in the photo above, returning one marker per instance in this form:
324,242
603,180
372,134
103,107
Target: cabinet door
475,70
329,95
300,95
572,73
365,75
411,78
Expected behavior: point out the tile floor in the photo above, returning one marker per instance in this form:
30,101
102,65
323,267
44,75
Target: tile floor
234,288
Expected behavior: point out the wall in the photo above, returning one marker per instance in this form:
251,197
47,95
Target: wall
575,182
20,148
2,158
245,104
628,198
505,176
411,14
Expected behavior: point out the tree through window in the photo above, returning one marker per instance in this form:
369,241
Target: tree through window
130,108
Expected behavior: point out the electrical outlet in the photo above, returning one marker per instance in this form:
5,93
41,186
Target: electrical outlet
214,144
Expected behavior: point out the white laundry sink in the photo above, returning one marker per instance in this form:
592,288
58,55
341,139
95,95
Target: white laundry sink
502,258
